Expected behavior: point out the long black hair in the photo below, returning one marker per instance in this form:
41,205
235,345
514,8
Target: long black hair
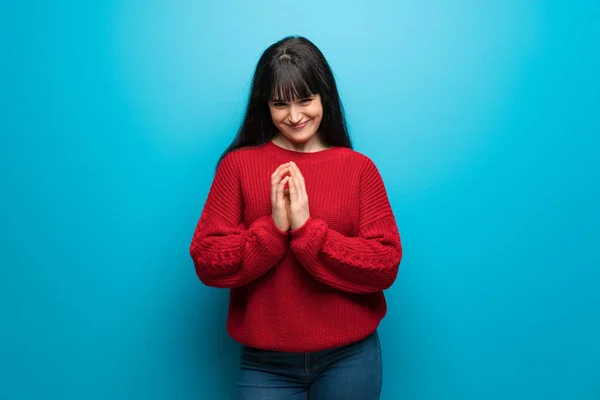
293,68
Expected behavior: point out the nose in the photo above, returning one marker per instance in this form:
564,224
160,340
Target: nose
295,115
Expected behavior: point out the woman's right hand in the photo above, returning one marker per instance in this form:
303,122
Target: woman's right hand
278,199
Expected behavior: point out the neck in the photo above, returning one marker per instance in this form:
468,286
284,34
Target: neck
314,144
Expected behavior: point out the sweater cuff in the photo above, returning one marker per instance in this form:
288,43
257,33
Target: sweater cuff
307,239
276,240
299,231
273,228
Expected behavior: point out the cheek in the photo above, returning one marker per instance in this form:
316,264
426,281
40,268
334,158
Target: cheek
277,117
318,116
317,112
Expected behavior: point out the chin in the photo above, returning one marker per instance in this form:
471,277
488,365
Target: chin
299,137
299,140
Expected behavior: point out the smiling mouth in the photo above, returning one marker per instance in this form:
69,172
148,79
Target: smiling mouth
299,126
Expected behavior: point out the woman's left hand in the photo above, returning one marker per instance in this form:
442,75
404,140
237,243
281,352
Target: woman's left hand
298,208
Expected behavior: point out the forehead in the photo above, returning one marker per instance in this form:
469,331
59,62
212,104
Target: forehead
290,83
290,91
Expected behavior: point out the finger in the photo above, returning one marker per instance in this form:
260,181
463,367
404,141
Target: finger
287,164
293,189
299,194
280,190
284,165
298,174
276,178
291,169
292,182
299,178
279,172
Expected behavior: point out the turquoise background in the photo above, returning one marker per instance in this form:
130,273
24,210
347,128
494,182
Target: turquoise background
483,118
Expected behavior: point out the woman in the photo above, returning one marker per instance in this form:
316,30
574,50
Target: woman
299,227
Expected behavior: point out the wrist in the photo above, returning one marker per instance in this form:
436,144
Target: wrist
298,226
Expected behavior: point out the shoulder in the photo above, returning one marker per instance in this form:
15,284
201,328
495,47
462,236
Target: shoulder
243,154
238,156
228,163
361,160
234,163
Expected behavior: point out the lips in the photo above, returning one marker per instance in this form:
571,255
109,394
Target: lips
299,126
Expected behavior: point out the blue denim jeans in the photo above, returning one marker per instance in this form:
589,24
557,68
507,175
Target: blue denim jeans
352,372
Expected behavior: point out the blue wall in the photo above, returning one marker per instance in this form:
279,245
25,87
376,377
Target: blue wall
483,118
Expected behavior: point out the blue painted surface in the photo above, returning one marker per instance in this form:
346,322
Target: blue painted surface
481,116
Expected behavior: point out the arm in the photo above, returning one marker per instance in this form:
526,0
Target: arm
366,263
225,253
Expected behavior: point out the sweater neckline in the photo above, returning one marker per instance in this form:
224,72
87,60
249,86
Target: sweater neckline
301,156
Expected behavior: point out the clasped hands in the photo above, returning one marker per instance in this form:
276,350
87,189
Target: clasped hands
289,206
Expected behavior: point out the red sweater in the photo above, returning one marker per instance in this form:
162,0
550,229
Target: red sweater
313,288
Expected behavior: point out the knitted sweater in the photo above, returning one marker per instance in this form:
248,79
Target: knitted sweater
313,288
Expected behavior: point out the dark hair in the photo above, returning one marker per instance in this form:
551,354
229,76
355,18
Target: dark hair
290,69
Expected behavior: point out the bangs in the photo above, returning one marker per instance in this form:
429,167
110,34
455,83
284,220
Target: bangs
290,82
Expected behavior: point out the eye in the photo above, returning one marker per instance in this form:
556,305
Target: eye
279,105
306,101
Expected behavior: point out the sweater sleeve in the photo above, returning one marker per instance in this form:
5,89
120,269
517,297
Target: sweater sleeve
365,263
225,252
